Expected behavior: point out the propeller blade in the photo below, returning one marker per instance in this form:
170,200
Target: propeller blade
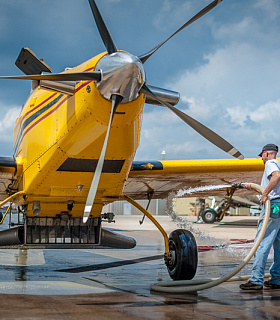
103,31
116,99
201,13
75,76
197,126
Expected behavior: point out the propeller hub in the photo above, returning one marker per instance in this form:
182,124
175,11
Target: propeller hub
123,74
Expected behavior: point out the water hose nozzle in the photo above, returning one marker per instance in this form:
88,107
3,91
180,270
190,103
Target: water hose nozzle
238,185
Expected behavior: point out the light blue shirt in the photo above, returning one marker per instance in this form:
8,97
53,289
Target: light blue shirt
270,167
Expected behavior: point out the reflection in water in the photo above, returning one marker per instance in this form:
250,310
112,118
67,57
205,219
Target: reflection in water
21,258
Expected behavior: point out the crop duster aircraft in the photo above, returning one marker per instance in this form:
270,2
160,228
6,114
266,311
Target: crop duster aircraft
74,145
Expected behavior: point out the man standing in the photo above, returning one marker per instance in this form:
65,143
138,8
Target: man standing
199,207
271,184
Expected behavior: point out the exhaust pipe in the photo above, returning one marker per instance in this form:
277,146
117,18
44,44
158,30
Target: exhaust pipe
11,237
115,240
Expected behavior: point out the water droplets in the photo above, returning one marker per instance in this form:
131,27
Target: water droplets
190,191
183,223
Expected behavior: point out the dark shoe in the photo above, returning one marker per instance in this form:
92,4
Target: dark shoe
267,283
250,286
271,285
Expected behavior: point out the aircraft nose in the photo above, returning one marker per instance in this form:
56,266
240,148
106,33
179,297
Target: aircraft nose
122,74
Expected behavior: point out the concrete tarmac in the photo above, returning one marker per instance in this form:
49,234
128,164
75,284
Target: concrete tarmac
115,284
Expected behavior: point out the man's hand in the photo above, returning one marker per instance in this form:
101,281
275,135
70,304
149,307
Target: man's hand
264,197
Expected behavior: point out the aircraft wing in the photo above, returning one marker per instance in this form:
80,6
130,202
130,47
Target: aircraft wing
244,201
7,172
163,177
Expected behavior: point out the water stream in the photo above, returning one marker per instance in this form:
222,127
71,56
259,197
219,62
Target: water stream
182,222
217,262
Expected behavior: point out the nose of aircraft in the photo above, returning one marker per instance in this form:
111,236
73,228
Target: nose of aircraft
123,74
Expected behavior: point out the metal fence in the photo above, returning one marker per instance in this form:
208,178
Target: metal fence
156,207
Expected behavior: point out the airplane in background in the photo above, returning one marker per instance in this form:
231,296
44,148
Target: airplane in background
220,205
74,146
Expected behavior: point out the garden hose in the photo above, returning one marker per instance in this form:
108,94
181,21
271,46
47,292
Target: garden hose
185,286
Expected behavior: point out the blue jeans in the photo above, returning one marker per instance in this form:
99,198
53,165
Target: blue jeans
271,237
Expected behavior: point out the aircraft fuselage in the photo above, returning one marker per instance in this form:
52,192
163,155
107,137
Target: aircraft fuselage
58,140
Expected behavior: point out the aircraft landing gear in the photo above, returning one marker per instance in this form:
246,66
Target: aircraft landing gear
180,248
183,255
209,215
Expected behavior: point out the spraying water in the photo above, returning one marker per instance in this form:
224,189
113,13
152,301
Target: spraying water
190,191
215,263
227,255
185,224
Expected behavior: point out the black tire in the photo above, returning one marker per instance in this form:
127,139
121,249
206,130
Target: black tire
209,215
183,249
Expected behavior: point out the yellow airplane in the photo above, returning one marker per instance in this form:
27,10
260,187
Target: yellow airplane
74,145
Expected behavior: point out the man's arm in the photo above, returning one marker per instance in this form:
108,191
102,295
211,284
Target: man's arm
273,182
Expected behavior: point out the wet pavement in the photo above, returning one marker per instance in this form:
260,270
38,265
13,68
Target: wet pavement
106,284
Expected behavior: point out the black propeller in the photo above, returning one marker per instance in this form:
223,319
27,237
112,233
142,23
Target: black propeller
197,126
201,13
116,100
76,76
103,31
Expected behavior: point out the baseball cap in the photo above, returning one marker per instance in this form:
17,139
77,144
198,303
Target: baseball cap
269,147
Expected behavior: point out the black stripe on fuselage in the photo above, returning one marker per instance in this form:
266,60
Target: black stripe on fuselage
89,165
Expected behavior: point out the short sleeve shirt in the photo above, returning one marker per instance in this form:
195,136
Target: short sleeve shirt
270,167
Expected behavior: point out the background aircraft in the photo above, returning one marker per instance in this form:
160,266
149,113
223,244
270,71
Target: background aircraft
220,205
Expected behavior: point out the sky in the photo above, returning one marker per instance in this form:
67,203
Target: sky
226,65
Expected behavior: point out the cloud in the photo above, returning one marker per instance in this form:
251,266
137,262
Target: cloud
231,74
163,130
234,91
270,7
172,14
8,122
231,31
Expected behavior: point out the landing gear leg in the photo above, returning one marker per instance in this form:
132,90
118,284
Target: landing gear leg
180,248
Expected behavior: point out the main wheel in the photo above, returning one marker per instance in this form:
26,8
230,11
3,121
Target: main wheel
209,215
183,251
